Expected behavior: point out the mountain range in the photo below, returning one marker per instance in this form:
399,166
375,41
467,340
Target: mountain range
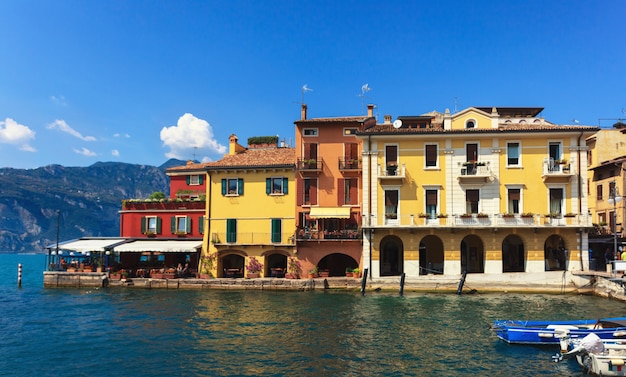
76,201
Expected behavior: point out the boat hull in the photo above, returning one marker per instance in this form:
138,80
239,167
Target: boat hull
549,332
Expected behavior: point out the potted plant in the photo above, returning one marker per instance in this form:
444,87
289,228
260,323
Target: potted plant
482,215
466,216
254,268
356,273
527,214
423,215
508,215
442,216
313,273
293,268
207,263
391,168
349,272
324,273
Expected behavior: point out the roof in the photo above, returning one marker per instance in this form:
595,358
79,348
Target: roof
388,129
518,112
189,167
615,161
358,119
88,244
256,158
163,246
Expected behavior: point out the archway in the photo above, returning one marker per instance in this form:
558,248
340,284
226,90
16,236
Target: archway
337,263
513,255
431,255
391,256
554,253
472,255
232,265
275,264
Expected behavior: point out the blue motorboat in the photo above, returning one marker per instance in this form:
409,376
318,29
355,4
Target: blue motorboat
550,332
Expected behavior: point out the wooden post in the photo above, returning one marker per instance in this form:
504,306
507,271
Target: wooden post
19,275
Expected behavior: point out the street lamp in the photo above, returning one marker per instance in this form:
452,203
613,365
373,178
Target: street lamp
614,198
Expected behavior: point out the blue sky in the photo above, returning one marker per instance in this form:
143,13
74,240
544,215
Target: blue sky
143,81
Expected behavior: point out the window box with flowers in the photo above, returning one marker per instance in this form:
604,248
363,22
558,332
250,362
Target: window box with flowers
466,216
253,268
482,215
150,233
508,215
527,215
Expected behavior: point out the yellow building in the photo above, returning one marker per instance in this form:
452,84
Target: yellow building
607,180
250,210
489,191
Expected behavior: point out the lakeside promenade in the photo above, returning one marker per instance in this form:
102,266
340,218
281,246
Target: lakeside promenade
586,282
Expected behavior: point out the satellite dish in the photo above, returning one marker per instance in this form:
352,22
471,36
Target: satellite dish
397,123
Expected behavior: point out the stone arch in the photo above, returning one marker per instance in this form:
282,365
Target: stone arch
336,264
431,255
391,256
513,254
554,253
231,263
472,254
275,263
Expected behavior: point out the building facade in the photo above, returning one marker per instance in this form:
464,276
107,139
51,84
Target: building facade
487,191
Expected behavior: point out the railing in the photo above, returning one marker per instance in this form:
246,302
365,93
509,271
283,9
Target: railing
557,167
484,220
349,164
313,234
477,169
304,164
392,171
252,238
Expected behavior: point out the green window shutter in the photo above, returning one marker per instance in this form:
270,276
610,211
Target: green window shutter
188,180
173,224
201,224
240,186
268,186
200,179
188,224
231,230
285,185
158,229
276,230
224,188
143,225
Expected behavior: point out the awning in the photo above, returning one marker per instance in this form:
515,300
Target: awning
330,212
165,246
88,244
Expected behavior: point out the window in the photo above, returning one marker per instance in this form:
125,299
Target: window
599,192
514,200
276,186
471,152
309,132
391,155
431,155
150,225
201,224
231,230
348,191
276,230
349,131
471,123
512,153
602,219
556,201
232,186
554,150
309,191
471,201
391,204
194,180
180,225
431,203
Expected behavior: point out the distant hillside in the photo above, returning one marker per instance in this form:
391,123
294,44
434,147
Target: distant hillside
88,199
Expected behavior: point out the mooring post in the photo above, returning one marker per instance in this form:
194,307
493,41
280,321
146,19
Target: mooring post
460,288
363,282
19,275
402,284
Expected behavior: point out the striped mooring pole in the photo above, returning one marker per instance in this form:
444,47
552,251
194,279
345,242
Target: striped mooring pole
19,275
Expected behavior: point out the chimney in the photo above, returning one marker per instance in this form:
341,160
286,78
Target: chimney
387,119
370,110
234,147
303,112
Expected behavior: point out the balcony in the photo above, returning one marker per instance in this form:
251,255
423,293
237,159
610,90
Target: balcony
475,173
555,171
349,165
251,239
328,235
392,172
485,221
163,205
305,165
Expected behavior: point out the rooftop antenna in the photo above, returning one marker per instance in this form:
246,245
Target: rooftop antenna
456,99
304,90
194,153
575,121
364,89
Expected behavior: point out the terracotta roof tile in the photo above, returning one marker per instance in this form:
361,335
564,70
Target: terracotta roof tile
260,157
387,129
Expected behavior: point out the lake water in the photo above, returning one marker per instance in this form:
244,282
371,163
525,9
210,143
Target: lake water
137,332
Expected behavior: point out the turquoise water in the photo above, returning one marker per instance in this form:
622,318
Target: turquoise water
136,332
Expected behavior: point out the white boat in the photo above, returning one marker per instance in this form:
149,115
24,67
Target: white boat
598,357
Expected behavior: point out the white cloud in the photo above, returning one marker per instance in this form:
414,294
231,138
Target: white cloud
12,132
85,152
58,100
115,153
62,126
190,132
117,134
